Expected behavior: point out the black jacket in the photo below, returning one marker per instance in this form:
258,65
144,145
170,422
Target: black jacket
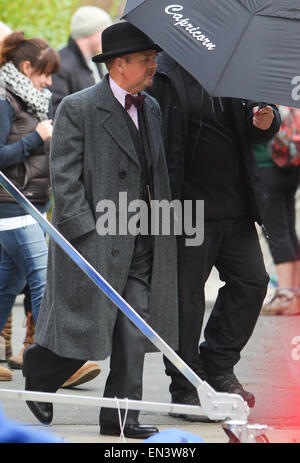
74,74
169,89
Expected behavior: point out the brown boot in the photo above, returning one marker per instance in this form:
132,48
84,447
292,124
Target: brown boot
5,374
86,373
16,362
6,334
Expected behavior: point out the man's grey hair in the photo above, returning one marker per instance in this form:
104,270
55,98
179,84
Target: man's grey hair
110,61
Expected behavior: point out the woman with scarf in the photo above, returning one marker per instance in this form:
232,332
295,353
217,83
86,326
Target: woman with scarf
25,132
26,67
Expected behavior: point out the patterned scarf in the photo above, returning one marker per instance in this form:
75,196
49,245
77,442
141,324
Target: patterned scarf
37,101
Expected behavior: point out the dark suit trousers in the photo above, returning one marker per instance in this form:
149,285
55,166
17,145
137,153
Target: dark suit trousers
127,358
231,246
49,371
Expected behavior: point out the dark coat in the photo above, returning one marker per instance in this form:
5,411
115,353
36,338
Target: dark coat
93,158
170,91
74,74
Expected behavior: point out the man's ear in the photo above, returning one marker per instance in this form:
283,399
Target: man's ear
120,65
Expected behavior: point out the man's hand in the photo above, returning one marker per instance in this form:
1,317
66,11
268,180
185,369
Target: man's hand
263,117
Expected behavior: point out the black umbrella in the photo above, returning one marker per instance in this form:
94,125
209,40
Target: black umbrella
235,48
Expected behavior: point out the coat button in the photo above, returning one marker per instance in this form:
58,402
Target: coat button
115,252
123,174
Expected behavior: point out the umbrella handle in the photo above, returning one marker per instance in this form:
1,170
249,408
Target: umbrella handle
259,104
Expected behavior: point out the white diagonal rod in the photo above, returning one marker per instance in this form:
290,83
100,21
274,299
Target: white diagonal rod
234,403
100,282
88,401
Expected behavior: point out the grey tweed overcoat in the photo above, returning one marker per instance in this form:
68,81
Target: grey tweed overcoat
93,158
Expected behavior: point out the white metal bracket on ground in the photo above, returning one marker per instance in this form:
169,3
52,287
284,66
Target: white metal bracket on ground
219,407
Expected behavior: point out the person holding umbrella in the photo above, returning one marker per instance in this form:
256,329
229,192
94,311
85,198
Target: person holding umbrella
208,143
106,139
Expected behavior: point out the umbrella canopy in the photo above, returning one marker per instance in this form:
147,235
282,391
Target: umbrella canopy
234,48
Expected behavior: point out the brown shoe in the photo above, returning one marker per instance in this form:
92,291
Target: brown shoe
16,361
6,334
86,373
283,302
5,374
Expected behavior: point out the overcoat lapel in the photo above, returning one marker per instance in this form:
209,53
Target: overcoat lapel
112,119
153,128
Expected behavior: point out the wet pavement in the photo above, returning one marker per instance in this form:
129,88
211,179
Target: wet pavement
269,367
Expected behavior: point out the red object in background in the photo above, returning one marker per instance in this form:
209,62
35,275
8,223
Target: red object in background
285,146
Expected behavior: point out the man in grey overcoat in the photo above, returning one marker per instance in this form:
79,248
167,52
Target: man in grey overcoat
106,141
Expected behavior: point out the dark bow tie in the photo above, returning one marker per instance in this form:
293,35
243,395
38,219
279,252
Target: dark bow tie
137,101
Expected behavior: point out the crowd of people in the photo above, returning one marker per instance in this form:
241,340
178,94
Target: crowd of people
111,112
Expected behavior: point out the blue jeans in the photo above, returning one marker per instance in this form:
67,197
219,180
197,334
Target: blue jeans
24,254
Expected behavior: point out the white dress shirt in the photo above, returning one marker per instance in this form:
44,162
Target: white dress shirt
120,94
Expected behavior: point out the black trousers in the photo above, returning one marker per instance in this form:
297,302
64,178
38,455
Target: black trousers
232,246
48,371
280,216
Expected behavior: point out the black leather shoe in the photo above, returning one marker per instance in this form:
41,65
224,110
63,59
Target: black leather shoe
229,383
133,431
43,411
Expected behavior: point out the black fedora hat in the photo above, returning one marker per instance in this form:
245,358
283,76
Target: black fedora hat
122,39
